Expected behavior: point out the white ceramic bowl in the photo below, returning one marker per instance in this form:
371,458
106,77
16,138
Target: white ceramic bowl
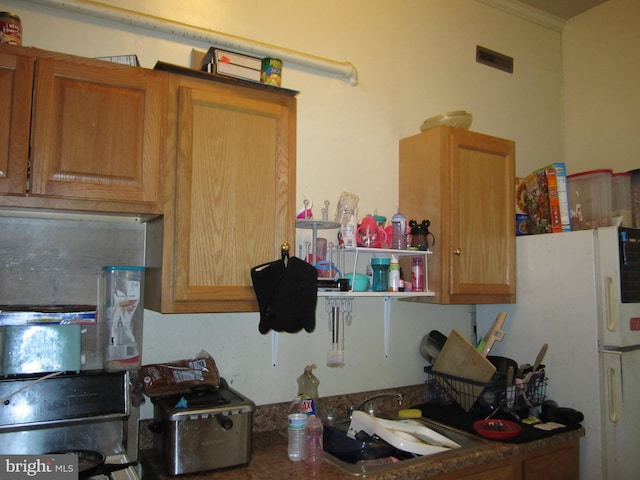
458,119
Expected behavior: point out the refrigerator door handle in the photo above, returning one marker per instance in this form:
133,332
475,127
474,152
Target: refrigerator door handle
610,315
613,392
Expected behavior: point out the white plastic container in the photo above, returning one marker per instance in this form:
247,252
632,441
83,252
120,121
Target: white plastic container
590,199
621,197
122,317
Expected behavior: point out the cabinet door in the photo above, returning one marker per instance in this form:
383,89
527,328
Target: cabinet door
234,194
482,218
463,182
560,464
16,81
501,470
98,132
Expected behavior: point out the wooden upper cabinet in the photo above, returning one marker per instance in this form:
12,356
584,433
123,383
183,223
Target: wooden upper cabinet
97,134
16,83
231,204
463,182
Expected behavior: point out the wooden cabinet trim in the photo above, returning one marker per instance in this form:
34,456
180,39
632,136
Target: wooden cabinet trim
129,181
16,84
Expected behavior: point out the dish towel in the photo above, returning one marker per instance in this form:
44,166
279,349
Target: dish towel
287,295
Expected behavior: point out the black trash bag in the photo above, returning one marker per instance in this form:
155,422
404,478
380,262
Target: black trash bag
287,295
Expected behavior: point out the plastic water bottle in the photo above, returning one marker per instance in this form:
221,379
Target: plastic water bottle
296,434
399,232
313,452
348,232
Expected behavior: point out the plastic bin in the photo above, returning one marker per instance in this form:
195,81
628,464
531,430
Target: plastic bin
590,199
621,197
123,316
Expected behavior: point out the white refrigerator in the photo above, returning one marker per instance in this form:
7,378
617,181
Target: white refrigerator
569,296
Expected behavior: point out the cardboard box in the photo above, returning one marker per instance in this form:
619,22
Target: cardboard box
547,200
538,208
559,195
231,64
522,219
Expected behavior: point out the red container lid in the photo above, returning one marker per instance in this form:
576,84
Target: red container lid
591,172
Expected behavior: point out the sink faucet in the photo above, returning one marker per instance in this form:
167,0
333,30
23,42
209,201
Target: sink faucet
371,410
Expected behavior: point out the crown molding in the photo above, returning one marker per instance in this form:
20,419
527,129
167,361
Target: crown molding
522,10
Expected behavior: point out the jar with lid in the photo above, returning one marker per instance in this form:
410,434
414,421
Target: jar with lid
10,28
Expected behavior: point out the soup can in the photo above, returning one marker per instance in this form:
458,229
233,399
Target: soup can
271,72
10,28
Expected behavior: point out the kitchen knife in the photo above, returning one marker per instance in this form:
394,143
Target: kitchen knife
495,334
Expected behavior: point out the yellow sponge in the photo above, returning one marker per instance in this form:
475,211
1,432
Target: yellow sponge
410,413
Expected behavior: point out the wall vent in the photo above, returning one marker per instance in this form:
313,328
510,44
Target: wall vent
494,59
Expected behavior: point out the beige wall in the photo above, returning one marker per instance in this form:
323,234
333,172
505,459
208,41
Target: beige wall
416,58
602,82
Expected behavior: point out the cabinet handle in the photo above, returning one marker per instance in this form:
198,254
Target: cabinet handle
457,251
610,315
613,399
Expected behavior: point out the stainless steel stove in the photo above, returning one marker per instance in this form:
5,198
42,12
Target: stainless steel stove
62,412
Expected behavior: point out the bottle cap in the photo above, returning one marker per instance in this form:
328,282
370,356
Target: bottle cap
380,261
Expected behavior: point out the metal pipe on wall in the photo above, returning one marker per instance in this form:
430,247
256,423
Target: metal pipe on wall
346,70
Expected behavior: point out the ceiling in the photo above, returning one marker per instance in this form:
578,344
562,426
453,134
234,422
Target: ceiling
564,9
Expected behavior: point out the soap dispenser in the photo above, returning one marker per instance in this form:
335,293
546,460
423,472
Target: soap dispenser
308,390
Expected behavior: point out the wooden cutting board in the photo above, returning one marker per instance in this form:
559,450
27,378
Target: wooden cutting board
461,359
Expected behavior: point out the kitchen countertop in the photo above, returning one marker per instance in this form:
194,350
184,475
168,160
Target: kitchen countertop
269,460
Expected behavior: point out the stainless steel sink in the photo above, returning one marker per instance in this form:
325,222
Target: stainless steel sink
367,455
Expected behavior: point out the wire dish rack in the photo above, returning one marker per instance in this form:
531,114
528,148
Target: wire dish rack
451,391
